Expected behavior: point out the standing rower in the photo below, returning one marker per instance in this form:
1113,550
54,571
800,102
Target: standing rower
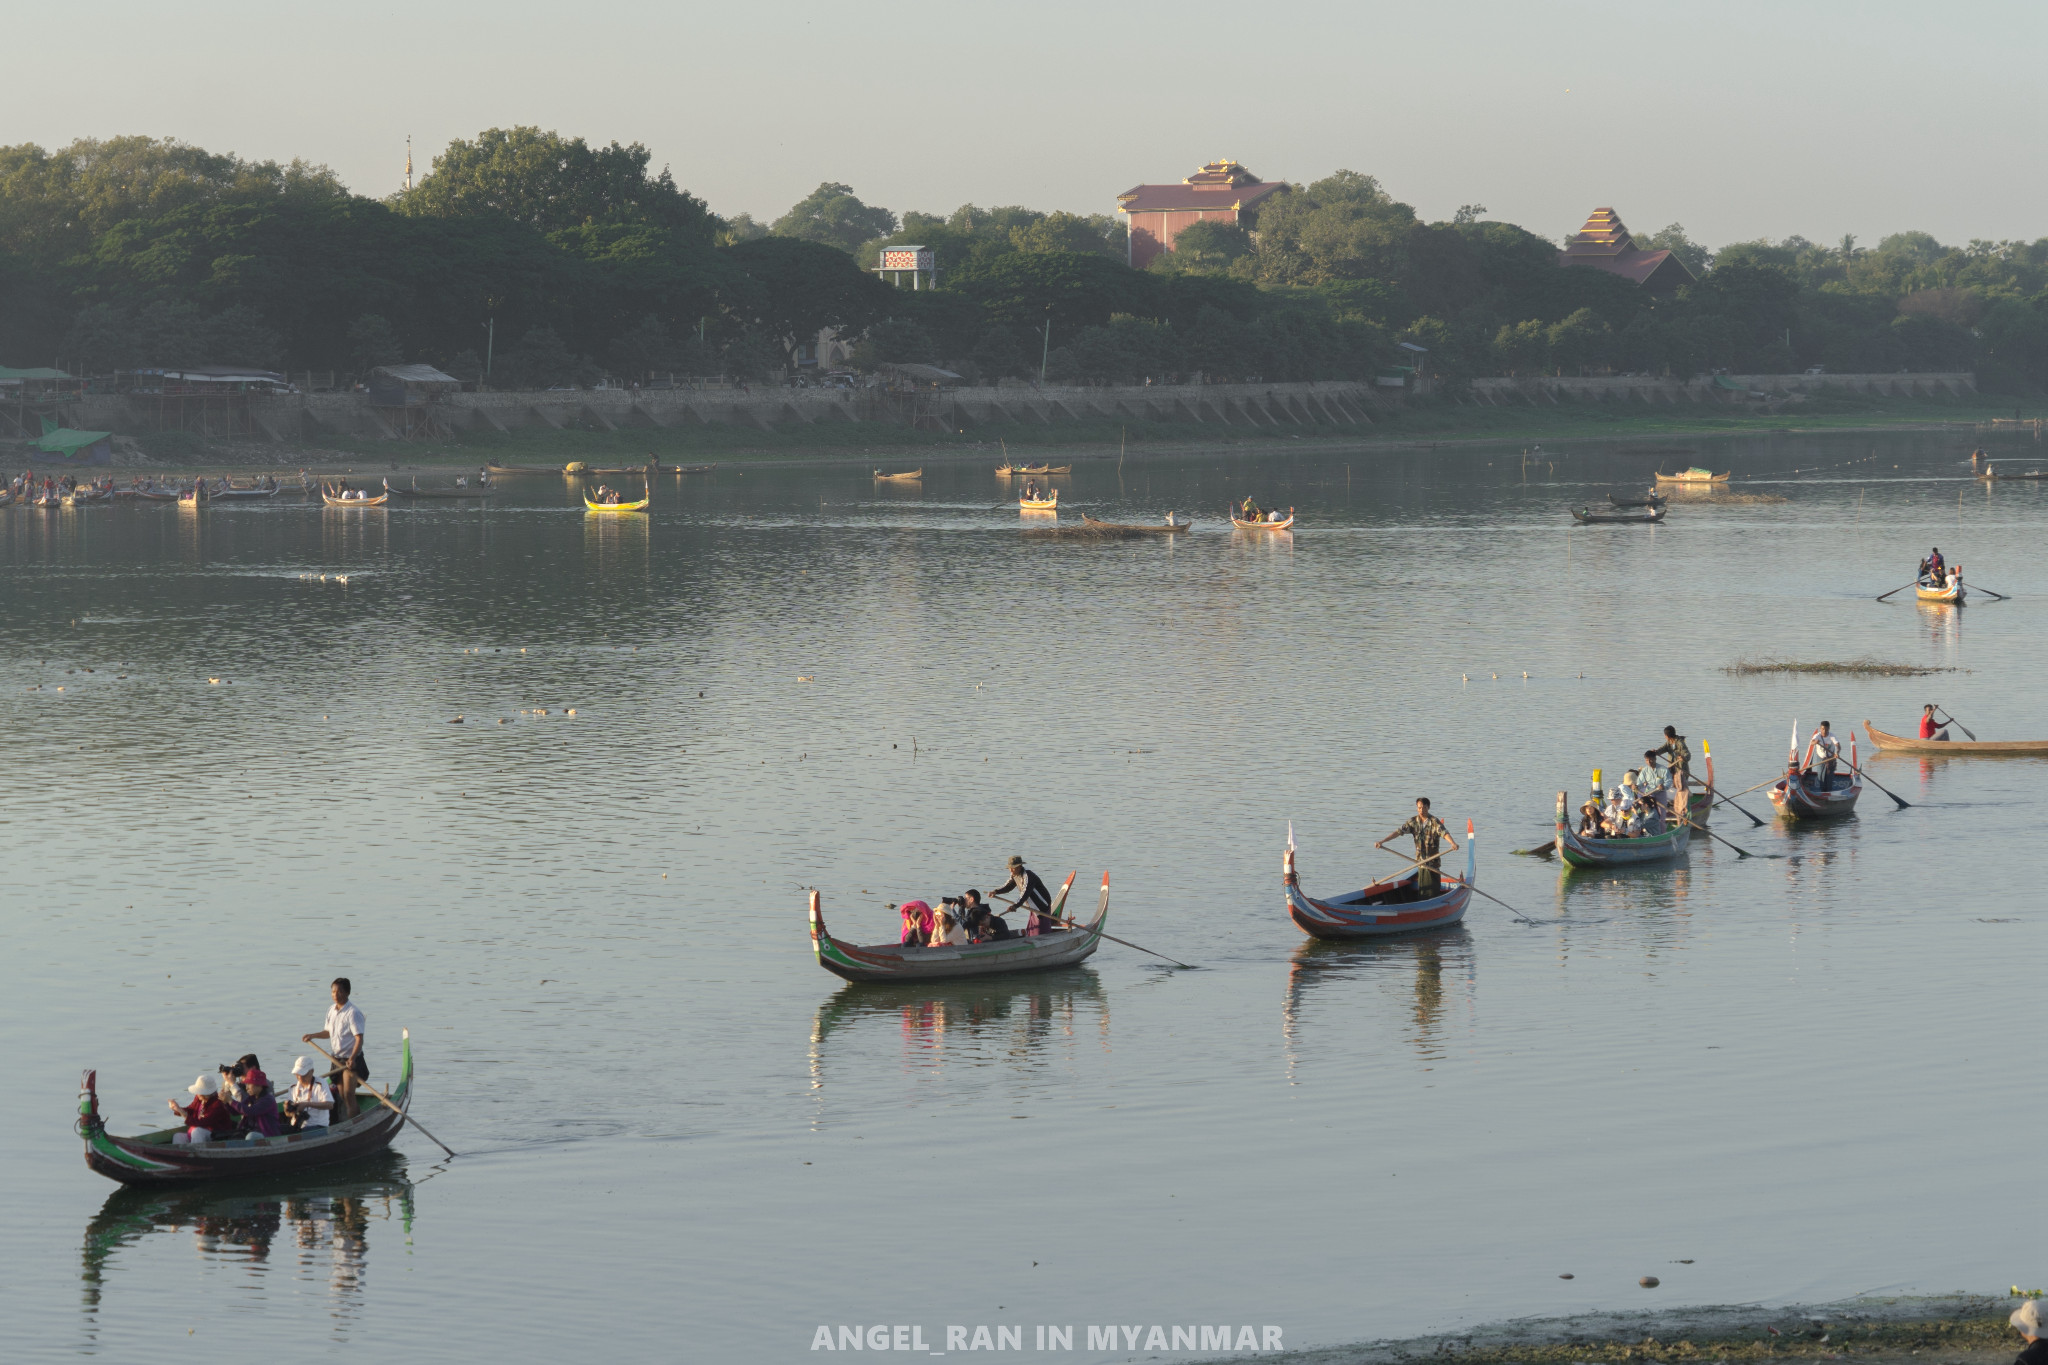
1031,892
1677,756
1825,749
345,1032
1430,836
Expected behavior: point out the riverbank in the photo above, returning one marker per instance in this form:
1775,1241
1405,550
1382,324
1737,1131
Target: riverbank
1419,426
1957,1330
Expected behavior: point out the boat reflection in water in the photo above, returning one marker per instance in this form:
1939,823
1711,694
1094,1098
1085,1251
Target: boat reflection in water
310,1231
1437,967
1019,1023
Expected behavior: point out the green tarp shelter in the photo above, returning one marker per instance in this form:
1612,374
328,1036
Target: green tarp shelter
13,376
85,447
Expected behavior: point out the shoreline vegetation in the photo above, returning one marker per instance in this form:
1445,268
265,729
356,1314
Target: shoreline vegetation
1657,435
1948,1330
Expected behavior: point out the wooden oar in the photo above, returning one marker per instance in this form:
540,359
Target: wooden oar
1730,800
1452,876
403,1117
1548,850
1981,588
1950,721
1904,804
1740,852
1901,588
1074,923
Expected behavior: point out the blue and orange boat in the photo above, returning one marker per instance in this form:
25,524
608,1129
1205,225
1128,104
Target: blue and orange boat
1396,906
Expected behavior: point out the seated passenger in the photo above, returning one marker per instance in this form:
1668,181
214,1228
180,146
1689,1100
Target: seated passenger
983,925
1589,819
308,1105
947,930
917,922
205,1118
257,1106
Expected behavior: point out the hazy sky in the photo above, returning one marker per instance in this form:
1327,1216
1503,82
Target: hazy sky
1739,119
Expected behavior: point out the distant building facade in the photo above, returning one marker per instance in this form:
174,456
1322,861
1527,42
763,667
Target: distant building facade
1220,192
1604,244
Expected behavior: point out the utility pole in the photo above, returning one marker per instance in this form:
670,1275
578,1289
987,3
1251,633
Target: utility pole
490,345
1046,354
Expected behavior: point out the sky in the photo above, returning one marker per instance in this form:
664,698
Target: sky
1740,120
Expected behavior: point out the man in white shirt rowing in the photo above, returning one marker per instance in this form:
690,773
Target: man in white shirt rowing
345,1030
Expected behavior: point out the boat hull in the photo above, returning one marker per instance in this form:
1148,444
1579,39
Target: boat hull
1576,850
1287,525
136,1161
1378,910
1587,515
1796,800
894,962
1911,745
1947,597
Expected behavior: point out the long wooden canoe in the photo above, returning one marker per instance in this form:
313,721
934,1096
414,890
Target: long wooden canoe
153,1159
231,493
1957,596
1650,518
1579,850
1694,475
333,501
640,506
1040,504
524,468
911,476
1908,745
1992,476
1286,525
1164,529
908,962
1389,907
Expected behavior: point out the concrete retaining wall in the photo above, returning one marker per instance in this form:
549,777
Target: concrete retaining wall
1543,390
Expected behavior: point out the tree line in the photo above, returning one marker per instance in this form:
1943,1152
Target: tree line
551,261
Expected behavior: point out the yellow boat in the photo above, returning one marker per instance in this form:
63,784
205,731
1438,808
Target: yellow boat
1041,505
640,506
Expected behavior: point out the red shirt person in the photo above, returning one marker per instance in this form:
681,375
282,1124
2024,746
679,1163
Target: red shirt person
207,1113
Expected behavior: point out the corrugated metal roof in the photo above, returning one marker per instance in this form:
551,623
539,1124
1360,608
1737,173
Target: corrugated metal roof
417,374
1157,198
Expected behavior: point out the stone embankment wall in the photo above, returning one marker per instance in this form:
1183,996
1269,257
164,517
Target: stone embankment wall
1252,407
1542,390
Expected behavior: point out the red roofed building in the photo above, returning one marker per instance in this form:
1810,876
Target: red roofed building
1604,244
1221,192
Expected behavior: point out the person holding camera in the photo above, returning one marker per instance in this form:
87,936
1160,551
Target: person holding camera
308,1104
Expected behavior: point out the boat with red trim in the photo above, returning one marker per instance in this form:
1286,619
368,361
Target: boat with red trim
153,1159
1798,795
1389,907
910,962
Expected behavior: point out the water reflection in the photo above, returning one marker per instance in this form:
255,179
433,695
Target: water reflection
1430,956
1656,898
999,1022
314,1233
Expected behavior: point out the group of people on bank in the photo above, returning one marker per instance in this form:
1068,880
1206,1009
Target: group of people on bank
968,918
240,1102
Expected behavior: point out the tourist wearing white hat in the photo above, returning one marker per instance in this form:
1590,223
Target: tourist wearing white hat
207,1117
308,1104
2027,1317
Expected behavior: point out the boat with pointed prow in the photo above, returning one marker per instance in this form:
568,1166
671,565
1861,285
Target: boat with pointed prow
882,962
1798,795
153,1159
1395,906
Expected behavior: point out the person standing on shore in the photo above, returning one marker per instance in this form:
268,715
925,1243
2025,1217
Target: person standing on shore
345,1032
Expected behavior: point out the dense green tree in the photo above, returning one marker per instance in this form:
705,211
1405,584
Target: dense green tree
800,288
549,182
1206,247
372,341
832,215
538,360
1073,289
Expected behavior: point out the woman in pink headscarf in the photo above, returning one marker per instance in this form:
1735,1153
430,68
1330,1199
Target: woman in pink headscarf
917,923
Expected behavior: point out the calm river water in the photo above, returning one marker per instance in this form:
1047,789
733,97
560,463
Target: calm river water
1789,1078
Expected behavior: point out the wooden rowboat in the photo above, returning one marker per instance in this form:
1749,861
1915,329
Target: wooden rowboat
153,1159
1957,596
1992,476
1389,907
440,492
908,962
1040,504
640,506
523,468
1798,798
328,497
1164,529
1578,850
1907,745
152,495
1286,525
234,494
1693,475
911,477
1588,515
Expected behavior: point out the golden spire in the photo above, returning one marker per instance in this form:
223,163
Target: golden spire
408,160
